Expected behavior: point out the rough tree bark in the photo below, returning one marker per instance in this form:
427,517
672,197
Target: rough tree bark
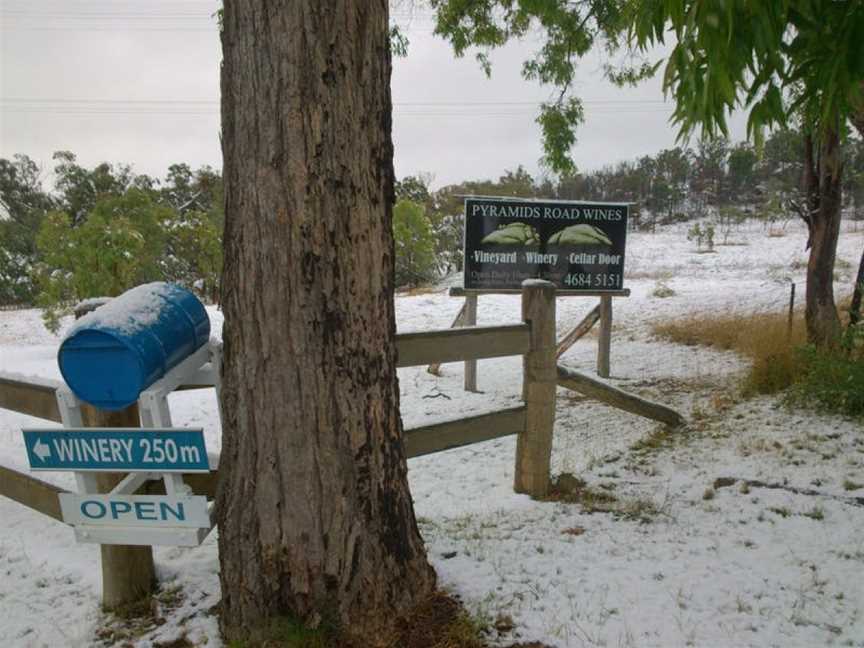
823,174
314,512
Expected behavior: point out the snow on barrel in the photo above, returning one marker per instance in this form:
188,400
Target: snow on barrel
114,353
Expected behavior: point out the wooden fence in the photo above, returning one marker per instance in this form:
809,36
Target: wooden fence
602,313
532,422
127,572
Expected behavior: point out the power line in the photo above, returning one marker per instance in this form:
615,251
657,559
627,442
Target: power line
397,114
156,102
402,109
99,17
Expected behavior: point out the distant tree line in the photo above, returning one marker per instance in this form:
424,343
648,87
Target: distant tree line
724,182
101,230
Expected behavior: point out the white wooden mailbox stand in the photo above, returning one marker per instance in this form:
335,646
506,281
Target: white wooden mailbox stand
199,369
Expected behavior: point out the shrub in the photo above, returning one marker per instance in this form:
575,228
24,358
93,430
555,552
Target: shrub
702,234
727,219
118,245
832,380
662,290
825,380
415,244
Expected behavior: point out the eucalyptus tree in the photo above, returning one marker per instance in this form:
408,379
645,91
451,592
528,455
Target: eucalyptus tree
23,204
78,188
568,31
778,60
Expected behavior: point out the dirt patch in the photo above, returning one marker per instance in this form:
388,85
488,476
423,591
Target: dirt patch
127,623
570,489
442,622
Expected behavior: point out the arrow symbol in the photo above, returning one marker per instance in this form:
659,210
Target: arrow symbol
41,450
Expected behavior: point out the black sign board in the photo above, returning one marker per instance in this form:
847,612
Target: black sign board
577,246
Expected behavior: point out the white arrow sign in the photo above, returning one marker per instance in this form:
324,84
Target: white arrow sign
41,450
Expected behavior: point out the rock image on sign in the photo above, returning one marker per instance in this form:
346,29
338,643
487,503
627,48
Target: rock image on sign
578,246
577,235
513,234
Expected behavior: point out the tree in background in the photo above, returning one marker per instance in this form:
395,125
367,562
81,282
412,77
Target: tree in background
193,253
780,60
414,243
131,232
671,169
568,30
415,189
741,164
186,190
24,204
784,60
709,171
118,245
79,188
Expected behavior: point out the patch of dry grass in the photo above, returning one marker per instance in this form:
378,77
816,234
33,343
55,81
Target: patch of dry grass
764,338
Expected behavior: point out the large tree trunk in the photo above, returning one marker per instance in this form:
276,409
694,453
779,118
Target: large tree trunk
314,512
823,179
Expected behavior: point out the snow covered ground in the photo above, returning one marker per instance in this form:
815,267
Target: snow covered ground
695,562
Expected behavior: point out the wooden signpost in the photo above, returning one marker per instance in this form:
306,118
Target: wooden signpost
579,247
113,459
118,517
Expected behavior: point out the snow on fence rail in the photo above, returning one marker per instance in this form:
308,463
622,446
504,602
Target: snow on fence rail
532,422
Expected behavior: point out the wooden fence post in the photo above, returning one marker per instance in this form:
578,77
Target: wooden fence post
605,343
128,573
534,445
471,320
791,319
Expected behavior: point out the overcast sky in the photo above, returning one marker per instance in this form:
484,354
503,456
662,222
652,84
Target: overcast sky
138,82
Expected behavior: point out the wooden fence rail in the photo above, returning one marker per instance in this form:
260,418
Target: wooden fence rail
427,439
128,571
31,492
469,343
617,398
30,397
37,397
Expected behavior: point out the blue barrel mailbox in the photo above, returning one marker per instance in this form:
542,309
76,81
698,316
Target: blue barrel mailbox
114,353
